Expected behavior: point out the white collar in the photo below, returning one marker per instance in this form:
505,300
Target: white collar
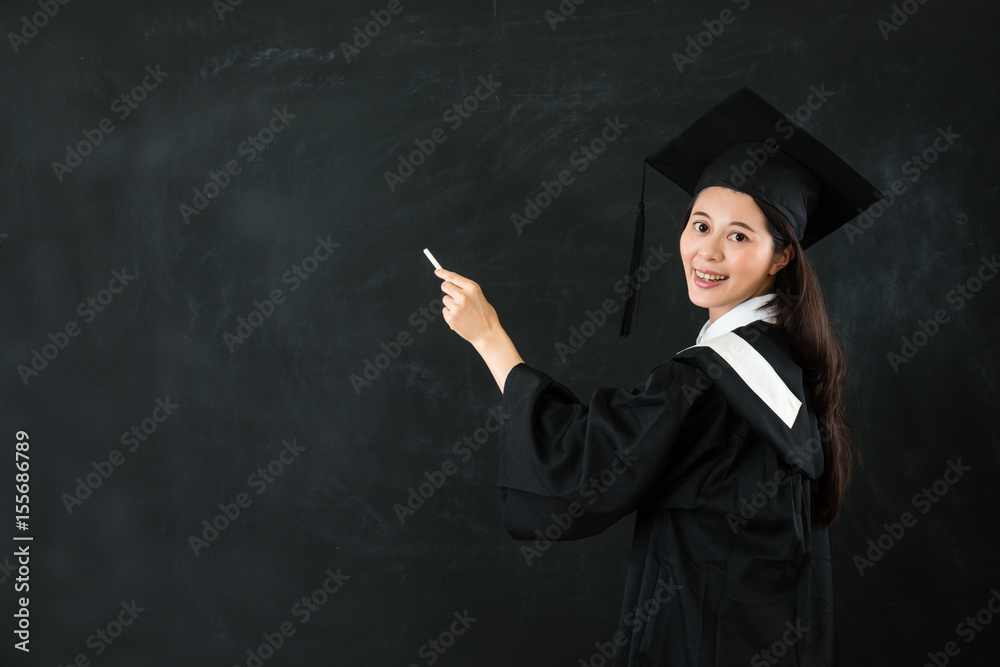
749,311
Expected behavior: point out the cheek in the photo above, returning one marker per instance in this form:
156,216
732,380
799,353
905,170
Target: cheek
686,247
750,263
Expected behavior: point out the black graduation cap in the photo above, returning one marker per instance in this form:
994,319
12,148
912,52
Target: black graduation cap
745,144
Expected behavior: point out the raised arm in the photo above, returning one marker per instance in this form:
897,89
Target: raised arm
470,315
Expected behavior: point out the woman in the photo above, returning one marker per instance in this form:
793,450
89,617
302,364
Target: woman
734,453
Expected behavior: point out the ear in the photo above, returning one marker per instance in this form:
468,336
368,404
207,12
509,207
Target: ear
781,259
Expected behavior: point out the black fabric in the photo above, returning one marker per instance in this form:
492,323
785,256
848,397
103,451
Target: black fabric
746,144
729,558
638,250
780,181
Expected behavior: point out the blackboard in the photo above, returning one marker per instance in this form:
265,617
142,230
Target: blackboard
223,346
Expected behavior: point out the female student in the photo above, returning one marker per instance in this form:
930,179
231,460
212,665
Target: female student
734,454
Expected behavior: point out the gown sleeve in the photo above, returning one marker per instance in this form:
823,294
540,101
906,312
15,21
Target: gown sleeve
571,469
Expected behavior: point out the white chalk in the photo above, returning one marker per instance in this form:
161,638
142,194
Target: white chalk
431,257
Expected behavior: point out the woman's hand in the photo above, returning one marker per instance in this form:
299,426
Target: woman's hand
470,315
466,310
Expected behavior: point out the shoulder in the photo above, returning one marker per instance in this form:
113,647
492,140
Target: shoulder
758,355
751,364
757,342
754,368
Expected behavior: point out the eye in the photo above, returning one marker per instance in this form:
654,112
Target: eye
739,237
699,225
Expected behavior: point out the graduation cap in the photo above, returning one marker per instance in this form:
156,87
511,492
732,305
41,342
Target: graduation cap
745,144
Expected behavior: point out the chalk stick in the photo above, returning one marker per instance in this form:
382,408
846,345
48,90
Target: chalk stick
431,257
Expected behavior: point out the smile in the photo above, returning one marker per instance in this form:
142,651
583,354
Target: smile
710,277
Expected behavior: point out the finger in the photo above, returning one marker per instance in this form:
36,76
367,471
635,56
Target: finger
449,276
461,281
455,290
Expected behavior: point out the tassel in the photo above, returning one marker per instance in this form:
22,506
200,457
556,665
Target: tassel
632,303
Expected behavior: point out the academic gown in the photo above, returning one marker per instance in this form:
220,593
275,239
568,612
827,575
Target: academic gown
719,455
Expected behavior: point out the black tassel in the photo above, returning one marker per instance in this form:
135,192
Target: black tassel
632,302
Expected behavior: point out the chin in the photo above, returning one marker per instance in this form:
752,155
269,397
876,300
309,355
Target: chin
701,300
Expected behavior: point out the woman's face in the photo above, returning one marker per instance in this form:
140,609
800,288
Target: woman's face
726,238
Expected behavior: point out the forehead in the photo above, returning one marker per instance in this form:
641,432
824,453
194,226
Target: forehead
724,205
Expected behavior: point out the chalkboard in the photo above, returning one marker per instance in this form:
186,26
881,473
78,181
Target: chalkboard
251,439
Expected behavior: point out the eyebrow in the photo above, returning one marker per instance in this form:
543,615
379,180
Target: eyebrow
732,222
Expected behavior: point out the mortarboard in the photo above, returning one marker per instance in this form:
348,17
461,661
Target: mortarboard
745,144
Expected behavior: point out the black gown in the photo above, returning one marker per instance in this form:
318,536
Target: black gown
730,564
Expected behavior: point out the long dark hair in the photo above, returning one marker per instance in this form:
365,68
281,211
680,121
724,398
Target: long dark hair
802,317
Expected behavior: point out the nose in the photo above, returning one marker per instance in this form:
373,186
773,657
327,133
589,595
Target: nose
711,247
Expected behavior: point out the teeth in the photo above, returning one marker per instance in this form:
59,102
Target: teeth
708,277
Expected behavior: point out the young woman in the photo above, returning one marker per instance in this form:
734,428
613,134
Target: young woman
734,453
